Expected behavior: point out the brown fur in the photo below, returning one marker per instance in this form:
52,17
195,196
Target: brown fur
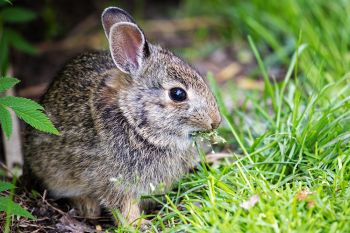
121,135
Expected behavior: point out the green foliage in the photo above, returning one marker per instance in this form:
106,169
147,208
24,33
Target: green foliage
6,186
12,208
6,121
8,206
19,43
7,82
26,109
277,25
10,15
17,15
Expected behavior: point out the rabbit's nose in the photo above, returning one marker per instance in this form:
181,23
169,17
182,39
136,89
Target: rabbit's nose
216,120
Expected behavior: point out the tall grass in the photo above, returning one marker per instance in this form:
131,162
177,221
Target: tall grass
276,26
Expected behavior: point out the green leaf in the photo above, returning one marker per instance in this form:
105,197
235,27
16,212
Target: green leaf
10,207
7,82
36,119
17,15
5,121
15,102
5,186
19,43
268,86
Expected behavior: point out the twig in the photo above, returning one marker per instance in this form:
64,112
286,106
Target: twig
6,169
46,202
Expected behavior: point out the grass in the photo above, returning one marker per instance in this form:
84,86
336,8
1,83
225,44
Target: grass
289,168
276,26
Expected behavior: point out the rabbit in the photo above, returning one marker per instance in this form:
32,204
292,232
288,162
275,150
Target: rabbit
126,118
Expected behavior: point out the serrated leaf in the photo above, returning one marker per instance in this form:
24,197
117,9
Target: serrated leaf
30,112
19,43
17,15
20,103
6,186
36,119
10,207
7,82
5,121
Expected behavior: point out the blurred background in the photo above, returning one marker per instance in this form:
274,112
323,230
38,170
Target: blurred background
211,34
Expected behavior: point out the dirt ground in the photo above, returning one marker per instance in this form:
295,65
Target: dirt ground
52,216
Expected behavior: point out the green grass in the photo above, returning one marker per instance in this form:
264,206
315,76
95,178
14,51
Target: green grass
276,26
290,144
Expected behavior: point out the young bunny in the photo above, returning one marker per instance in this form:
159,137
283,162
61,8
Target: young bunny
126,117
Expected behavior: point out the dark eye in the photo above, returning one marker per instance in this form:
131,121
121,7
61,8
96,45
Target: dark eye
177,94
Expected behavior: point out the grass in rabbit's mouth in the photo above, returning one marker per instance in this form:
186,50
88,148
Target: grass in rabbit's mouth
212,136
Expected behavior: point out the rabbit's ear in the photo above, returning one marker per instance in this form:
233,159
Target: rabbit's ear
113,15
127,46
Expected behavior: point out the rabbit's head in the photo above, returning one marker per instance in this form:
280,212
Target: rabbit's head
161,96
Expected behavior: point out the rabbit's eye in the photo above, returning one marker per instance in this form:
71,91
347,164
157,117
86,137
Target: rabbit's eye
177,94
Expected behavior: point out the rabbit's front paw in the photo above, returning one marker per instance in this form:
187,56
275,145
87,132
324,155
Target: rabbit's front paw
86,206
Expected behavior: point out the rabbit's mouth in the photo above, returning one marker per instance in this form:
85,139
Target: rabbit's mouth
199,133
210,135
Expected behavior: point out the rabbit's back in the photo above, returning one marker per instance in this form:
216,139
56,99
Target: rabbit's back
68,96
67,102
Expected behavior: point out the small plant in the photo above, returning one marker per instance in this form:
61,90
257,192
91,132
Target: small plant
25,109
8,206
